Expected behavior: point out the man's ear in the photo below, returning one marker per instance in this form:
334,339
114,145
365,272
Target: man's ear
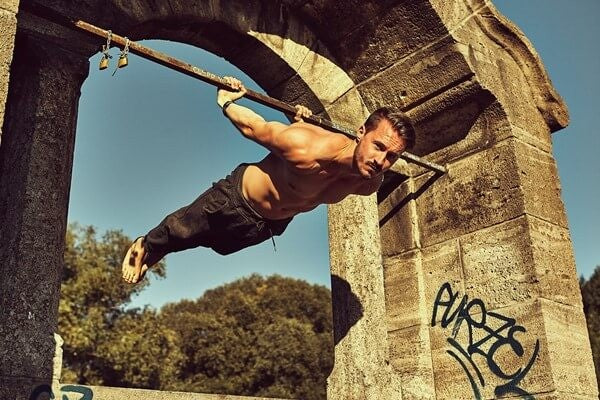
361,132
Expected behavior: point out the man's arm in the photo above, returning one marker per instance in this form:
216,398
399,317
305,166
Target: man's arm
254,127
369,187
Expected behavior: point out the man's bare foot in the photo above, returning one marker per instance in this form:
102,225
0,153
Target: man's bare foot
133,267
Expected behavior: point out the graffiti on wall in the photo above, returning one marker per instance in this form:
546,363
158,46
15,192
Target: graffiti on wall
85,392
496,334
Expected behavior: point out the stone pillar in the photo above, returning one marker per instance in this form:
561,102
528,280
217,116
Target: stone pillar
35,175
8,27
482,294
361,361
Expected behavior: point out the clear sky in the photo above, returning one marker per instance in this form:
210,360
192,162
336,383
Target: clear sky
150,140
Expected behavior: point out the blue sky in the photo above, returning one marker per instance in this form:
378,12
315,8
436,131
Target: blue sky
150,140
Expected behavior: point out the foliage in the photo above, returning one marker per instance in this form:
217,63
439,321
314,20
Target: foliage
590,292
256,336
92,320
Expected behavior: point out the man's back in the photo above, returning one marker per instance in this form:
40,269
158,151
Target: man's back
312,168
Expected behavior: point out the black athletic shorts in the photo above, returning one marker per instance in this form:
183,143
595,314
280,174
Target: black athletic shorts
220,218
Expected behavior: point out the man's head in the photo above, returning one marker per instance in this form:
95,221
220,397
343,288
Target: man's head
381,140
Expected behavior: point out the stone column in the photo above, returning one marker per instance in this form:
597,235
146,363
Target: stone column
35,175
361,361
482,293
8,27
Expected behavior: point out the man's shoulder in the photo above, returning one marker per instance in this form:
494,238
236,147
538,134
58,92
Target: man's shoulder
312,136
320,134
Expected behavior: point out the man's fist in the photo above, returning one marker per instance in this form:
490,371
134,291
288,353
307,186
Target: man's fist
301,112
224,96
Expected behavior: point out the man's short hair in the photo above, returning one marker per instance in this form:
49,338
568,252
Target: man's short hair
399,121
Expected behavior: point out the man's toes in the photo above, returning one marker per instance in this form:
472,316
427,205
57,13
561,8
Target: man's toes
143,272
126,261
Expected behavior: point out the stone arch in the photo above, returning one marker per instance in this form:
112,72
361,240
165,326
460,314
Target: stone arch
482,102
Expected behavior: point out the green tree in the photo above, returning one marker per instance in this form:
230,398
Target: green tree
256,336
104,344
590,292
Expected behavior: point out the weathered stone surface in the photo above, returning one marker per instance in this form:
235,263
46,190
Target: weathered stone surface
563,396
470,125
478,191
397,219
553,338
482,190
403,291
452,381
348,110
422,75
35,175
139,10
410,355
454,13
295,91
540,185
455,123
493,227
292,52
349,16
554,263
394,34
361,367
22,388
8,27
323,76
9,5
517,77
73,392
441,265
499,263
570,356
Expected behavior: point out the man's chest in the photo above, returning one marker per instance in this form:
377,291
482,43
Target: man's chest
321,184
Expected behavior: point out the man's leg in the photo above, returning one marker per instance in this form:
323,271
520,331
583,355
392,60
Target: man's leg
186,228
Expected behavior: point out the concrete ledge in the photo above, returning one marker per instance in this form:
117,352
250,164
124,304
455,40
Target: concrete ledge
75,392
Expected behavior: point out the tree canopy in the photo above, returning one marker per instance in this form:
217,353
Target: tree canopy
590,293
256,336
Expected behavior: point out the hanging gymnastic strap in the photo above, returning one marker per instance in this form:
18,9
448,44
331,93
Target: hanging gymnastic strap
205,76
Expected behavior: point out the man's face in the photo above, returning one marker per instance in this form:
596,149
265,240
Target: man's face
377,149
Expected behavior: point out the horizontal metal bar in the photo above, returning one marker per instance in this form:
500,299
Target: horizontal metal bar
210,78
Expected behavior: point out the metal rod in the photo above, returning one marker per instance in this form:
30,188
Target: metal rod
208,77
205,76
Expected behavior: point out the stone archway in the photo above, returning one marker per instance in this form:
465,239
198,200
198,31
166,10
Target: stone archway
483,105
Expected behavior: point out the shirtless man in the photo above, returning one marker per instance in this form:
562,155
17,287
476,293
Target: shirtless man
307,166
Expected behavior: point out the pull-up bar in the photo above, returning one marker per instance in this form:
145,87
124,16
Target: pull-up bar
205,76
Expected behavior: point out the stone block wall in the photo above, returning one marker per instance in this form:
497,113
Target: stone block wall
454,287
8,27
480,280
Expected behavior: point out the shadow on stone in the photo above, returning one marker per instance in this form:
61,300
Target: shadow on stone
347,309
411,196
391,181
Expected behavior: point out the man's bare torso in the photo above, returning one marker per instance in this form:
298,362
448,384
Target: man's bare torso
281,186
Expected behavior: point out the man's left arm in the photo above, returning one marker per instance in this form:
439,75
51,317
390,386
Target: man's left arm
369,187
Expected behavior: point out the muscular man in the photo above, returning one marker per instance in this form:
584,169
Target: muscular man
307,166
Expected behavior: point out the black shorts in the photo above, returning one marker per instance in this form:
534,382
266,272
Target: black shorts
219,218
